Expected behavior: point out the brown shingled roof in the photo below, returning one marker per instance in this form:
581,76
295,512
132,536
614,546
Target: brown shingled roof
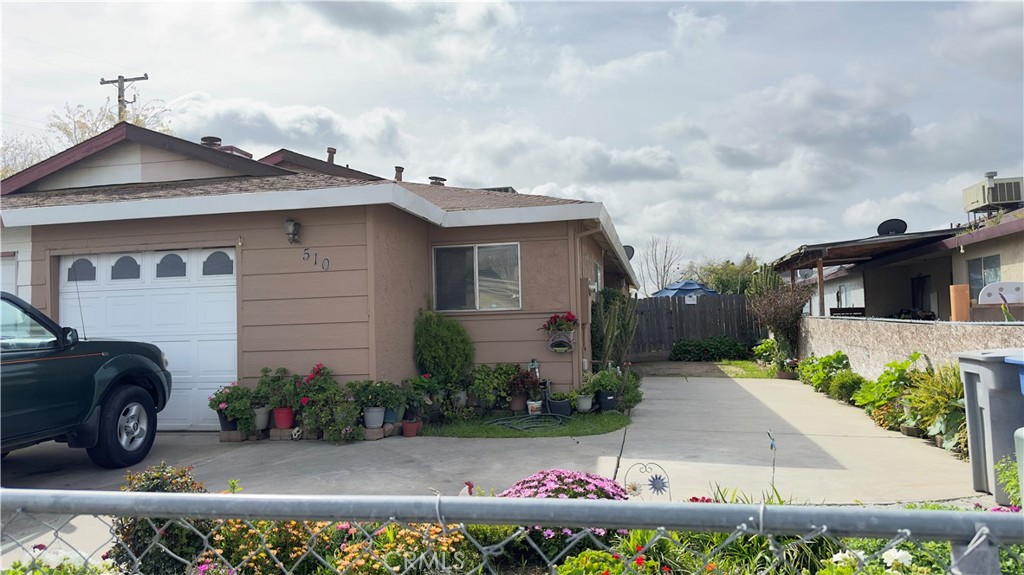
178,189
453,199
445,197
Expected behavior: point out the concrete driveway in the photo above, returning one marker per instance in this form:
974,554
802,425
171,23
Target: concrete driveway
702,431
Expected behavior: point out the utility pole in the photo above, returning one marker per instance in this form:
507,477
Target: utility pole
122,106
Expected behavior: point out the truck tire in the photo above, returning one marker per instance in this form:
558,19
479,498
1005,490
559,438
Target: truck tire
127,428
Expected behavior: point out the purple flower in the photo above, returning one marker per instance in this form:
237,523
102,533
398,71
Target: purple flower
548,534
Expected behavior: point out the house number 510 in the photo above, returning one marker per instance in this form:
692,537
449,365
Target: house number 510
323,263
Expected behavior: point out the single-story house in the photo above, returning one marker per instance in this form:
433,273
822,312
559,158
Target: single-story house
899,274
231,264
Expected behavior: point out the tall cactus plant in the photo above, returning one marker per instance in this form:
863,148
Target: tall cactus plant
765,280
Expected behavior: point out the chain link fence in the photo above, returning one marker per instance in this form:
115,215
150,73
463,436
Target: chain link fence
52,532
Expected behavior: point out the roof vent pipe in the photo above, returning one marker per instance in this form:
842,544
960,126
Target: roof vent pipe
437,181
330,155
210,141
398,173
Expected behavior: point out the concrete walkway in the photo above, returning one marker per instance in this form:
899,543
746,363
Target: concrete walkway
701,431
707,431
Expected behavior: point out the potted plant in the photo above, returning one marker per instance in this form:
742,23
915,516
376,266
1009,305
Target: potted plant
583,396
561,330
282,397
560,404
521,383
785,368
374,397
233,404
318,399
608,386
261,400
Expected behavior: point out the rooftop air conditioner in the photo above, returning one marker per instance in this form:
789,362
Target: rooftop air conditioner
993,194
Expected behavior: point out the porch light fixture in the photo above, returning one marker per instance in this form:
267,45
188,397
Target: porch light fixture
291,229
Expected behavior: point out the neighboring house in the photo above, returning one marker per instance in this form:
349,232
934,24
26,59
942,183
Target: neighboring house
909,274
844,292
142,235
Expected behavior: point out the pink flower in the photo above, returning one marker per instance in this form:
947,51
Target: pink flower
304,401
222,405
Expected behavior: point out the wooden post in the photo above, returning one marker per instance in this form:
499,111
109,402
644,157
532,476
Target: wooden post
821,288
960,302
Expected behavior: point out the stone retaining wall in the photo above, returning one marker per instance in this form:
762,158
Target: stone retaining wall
871,343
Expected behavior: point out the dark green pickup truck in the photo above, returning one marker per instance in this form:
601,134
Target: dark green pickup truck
102,395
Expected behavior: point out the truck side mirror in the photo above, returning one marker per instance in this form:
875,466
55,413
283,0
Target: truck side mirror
68,336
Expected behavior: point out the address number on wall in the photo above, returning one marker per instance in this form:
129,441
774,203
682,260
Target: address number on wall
323,263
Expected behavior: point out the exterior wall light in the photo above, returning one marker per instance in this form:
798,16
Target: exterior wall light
291,229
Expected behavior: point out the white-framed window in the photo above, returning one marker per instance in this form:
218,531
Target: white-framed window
125,267
598,277
843,296
981,272
171,265
82,269
218,263
477,277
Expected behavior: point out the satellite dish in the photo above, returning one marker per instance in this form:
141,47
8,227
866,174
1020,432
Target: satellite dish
629,252
892,227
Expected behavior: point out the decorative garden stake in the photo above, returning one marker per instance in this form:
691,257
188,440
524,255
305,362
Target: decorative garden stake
771,439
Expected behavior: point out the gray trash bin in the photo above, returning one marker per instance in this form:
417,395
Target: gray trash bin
1018,436
995,409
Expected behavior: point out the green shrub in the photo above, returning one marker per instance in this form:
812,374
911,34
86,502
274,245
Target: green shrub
442,348
766,351
632,395
714,348
136,534
936,393
1006,476
890,385
819,371
845,384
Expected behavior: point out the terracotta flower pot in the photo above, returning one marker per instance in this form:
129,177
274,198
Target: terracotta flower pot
517,402
410,428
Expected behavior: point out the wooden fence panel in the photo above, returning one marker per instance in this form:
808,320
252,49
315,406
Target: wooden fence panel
665,320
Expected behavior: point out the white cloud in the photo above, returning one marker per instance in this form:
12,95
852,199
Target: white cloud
983,37
574,77
691,30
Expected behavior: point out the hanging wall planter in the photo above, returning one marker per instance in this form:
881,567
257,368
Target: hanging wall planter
561,341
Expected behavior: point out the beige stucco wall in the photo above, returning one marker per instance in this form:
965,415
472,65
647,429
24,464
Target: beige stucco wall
400,287
1011,257
290,313
871,343
549,285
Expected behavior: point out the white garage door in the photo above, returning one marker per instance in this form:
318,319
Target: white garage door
180,300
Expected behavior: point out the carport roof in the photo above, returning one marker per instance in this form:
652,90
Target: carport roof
857,251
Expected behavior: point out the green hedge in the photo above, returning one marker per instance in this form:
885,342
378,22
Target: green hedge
714,348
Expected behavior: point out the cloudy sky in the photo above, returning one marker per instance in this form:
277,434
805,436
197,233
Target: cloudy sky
731,127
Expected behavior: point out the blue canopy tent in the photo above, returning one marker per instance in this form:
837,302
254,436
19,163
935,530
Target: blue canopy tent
684,288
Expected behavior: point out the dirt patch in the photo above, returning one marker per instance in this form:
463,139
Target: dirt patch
685,369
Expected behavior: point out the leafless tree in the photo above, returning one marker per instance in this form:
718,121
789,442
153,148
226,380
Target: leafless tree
74,125
660,263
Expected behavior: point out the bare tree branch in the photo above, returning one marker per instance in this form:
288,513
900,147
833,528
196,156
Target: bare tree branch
660,263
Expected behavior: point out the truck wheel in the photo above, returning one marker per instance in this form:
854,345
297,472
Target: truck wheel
127,428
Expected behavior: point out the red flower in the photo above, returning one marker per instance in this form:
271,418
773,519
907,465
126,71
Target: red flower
304,401
639,547
616,556
426,376
605,572
640,560
665,569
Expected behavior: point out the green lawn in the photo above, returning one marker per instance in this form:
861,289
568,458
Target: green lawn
578,425
746,369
